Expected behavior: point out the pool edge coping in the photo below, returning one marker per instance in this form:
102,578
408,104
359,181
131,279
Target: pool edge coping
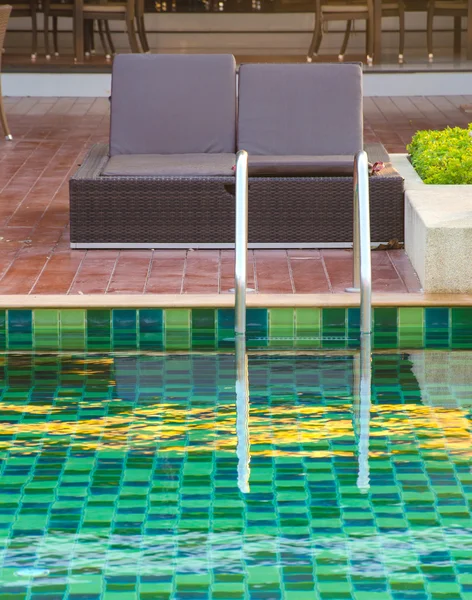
227,300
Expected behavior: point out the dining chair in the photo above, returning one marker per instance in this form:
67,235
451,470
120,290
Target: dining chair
342,10
5,10
443,8
28,9
396,8
101,13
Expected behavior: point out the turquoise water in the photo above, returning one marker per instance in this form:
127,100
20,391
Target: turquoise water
121,477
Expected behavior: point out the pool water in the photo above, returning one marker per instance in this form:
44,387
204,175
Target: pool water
120,478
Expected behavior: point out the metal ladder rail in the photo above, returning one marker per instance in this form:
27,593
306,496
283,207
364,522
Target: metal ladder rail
241,240
240,287
362,266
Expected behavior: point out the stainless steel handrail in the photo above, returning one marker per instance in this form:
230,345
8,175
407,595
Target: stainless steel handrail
362,275
240,275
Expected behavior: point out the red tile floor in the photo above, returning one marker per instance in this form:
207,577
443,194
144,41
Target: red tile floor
50,138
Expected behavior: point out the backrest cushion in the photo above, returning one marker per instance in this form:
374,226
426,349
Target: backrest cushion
173,104
306,109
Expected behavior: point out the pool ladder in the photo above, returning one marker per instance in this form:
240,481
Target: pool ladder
362,268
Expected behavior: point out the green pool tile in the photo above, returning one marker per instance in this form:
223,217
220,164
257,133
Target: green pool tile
151,335
124,329
72,328
99,329
411,327
334,328
203,328
281,325
46,329
20,329
307,327
385,327
177,330
461,327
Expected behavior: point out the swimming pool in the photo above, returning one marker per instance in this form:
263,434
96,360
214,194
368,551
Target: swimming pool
119,477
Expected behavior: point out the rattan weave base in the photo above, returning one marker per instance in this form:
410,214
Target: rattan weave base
291,210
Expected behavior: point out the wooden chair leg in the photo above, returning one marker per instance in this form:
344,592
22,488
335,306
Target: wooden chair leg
34,32
133,41
429,30
142,33
401,26
87,37
347,34
3,118
92,37
55,36
315,40
46,35
370,38
103,41
109,38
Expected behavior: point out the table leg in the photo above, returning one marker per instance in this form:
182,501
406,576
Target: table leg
79,31
378,31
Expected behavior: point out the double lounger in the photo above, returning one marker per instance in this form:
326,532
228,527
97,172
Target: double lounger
167,178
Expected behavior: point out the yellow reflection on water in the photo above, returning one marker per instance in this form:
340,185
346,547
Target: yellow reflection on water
214,429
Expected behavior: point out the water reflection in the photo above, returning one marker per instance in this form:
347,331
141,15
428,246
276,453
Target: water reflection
242,414
362,405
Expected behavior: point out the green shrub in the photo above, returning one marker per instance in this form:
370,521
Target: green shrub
443,156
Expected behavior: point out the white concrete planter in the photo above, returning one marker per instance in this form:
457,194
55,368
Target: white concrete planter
438,231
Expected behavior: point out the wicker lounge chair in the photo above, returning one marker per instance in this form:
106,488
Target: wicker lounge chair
167,179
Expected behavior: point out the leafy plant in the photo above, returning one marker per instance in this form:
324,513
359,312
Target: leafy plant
443,157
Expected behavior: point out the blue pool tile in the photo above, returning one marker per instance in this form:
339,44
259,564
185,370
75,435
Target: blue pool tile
20,329
225,321
437,327
3,329
257,327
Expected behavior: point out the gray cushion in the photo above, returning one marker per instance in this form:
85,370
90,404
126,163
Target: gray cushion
301,166
306,109
170,165
173,104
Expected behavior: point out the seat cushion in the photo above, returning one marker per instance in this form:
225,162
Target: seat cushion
300,166
173,104
300,110
170,165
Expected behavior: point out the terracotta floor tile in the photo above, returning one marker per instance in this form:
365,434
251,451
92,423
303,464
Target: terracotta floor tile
384,275
167,271
273,272
59,273
131,272
402,264
202,272
94,273
308,272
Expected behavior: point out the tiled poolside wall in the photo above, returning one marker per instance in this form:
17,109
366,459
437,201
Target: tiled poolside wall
175,329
